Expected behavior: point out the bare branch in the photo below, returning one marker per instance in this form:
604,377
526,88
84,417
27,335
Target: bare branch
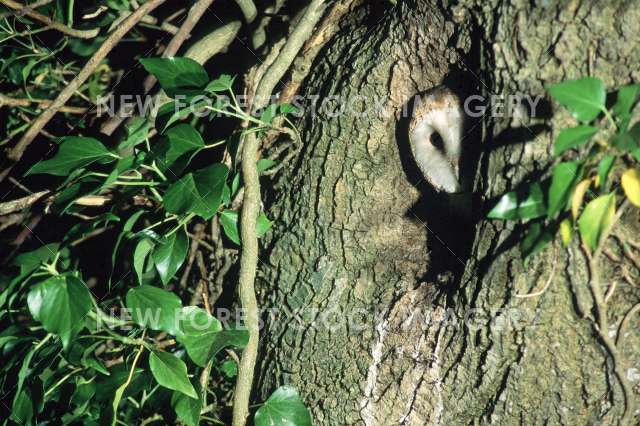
44,103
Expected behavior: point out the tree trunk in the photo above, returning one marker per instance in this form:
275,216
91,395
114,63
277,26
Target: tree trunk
392,307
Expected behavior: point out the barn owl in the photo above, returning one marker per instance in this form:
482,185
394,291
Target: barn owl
437,112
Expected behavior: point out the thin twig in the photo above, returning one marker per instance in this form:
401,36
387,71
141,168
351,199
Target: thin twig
123,387
18,204
206,372
38,124
610,291
42,103
603,331
625,322
50,23
547,284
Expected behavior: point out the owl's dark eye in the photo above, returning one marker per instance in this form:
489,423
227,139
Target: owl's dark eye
436,141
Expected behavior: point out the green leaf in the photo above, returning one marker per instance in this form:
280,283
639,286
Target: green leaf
526,203
564,178
187,409
179,141
629,141
288,109
170,372
181,195
236,337
283,408
264,164
536,239
22,408
30,261
137,132
173,112
169,256
584,97
199,193
154,308
269,113
263,225
604,167
571,138
60,303
627,96
177,75
229,221
596,218
220,84
209,183
198,333
74,152
229,368
140,254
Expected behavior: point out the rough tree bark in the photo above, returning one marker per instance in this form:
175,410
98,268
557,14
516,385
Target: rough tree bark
360,239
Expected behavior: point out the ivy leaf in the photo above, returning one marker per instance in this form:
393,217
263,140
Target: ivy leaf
169,255
22,408
187,409
137,132
154,308
584,97
566,231
627,96
269,113
604,167
60,303
179,141
595,219
177,76
283,408
573,137
629,141
236,337
563,180
74,152
30,261
630,181
229,368
140,254
535,241
288,109
526,203
172,112
578,196
229,221
264,164
220,84
170,372
198,332
199,192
